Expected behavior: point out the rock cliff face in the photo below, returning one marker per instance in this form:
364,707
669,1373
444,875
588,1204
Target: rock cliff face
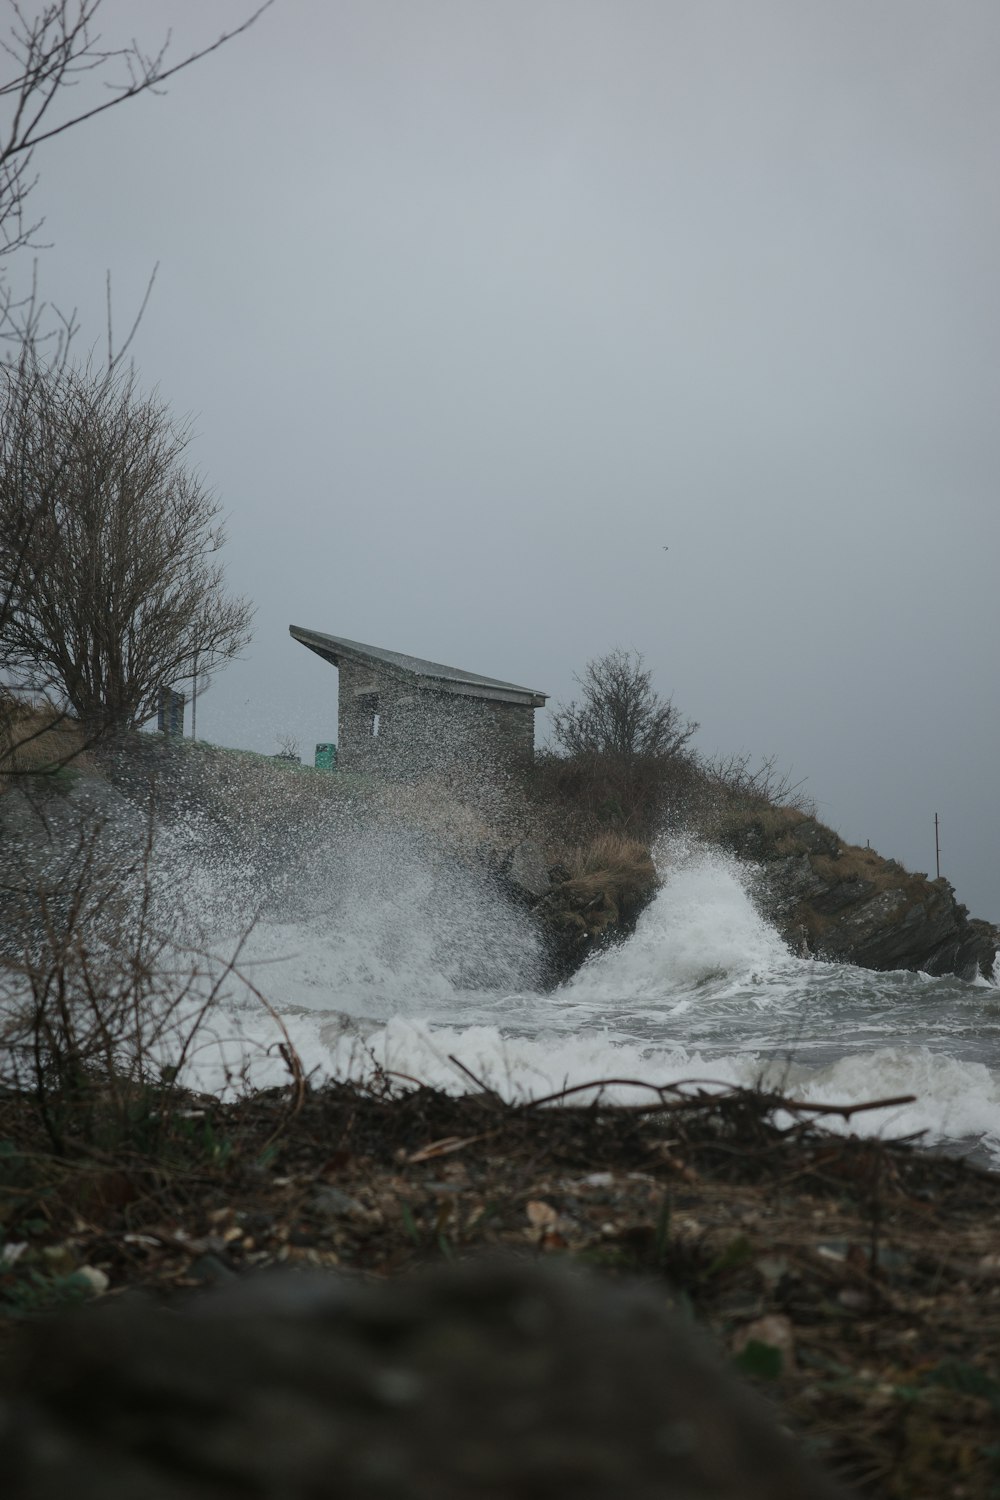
838,901
579,914
828,899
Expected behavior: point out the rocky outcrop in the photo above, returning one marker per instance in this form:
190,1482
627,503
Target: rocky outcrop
506,1379
579,911
828,899
581,914
839,901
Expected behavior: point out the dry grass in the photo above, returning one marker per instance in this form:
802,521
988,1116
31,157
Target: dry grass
609,851
855,863
38,737
609,860
729,816
611,878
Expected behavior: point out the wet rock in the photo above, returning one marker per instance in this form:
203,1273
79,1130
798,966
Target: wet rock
495,1380
841,894
583,914
851,904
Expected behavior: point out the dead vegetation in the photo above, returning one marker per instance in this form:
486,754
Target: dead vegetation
856,1281
575,798
106,987
597,893
611,871
38,738
612,852
641,796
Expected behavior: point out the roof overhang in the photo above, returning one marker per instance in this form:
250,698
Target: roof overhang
426,676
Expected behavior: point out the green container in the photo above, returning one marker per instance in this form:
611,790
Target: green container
326,757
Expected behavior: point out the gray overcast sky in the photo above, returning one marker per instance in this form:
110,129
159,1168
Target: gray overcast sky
480,303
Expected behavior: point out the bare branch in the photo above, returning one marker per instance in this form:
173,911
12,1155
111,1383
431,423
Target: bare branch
51,50
149,75
115,356
762,782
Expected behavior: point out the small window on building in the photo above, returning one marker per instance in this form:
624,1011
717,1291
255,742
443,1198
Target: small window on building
369,711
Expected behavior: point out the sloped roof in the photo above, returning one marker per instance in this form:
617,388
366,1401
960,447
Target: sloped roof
429,674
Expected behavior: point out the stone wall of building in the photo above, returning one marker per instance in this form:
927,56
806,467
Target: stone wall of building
387,724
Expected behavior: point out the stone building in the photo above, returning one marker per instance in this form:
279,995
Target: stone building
401,715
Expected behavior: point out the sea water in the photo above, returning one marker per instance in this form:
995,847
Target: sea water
382,956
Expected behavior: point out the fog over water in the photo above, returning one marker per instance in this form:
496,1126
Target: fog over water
479,308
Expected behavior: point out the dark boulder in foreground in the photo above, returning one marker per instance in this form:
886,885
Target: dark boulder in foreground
839,901
502,1379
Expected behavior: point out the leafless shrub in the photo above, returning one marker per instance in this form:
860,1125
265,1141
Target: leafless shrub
60,72
101,1008
289,748
620,714
626,762
622,759
743,779
580,795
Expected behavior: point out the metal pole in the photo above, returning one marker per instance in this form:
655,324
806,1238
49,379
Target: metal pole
937,848
194,699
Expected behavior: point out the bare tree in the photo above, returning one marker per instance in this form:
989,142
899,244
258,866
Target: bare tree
108,570
57,73
620,713
51,49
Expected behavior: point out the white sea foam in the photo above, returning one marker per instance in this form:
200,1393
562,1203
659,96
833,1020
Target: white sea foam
381,952
702,928
386,922
954,1099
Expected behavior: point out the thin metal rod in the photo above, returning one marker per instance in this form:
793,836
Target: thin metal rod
937,848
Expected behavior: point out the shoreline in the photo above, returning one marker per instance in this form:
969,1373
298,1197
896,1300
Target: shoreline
857,1282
